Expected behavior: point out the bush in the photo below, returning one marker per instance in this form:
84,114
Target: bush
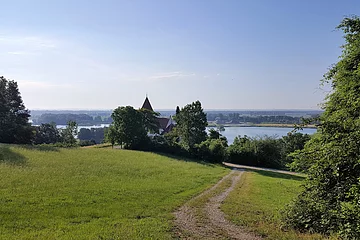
260,152
84,143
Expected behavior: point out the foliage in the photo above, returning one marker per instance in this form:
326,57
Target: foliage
330,201
14,117
95,134
64,118
237,118
191,124
84,143
214,134
291,143
47,133
92,193
68,134
260,151
150,121
111,135
130,127
212,150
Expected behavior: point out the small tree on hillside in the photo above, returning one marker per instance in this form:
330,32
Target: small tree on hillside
14,117
191,125
68,134
111,135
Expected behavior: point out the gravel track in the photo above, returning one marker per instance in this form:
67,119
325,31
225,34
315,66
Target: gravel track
211,224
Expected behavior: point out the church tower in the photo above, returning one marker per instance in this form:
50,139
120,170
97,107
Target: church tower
147,105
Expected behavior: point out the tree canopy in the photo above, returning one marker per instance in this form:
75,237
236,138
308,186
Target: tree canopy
129,126
330,201
191,124
14,117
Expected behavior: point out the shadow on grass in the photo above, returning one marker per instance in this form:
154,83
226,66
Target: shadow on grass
44,148
185,159
8,156
278,175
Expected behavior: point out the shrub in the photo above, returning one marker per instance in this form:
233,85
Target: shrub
84,143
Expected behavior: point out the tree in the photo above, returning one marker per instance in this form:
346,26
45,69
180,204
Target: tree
98,119
85,134
291,143
220,128
68,134
191,124
177,110
14,117
214,134
47,133
111,135
330,201
150,121
130,127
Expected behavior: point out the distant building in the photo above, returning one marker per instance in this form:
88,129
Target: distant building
166,124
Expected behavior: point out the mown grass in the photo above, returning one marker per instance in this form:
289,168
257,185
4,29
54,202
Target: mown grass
257,200
90,193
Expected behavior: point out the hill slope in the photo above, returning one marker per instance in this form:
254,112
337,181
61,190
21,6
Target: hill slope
94,193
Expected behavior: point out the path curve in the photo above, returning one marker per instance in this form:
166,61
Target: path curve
211,223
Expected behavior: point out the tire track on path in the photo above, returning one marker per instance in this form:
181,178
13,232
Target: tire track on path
206,220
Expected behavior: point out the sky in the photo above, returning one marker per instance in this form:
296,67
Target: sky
228,54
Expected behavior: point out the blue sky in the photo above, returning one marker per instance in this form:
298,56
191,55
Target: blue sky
229,54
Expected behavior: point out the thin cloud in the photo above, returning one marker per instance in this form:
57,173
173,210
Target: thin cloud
23,45
170,75
36,84
18,53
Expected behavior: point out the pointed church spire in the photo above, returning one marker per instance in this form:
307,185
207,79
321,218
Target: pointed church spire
147,104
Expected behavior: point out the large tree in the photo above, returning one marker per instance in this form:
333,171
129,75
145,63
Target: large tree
191,125
14,117
129,127
150,120
330,201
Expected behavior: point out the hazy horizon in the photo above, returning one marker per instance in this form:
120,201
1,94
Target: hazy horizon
227,54
205,109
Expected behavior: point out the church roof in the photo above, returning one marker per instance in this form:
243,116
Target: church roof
163,122
147,105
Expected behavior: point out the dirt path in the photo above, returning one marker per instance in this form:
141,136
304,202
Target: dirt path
202,218
237,166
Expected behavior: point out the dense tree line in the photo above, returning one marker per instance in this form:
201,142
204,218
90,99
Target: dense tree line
64,118
94,135
222,118
236,118
48,133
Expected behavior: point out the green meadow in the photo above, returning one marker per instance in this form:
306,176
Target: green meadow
94,193
257,201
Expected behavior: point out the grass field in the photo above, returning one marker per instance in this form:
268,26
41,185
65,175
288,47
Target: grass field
256,203
94,193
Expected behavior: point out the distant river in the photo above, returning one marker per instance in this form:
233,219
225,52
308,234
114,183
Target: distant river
231,132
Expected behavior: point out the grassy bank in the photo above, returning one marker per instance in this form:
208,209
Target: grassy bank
256,203
94,193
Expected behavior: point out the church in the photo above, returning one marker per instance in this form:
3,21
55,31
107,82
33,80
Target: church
165,124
